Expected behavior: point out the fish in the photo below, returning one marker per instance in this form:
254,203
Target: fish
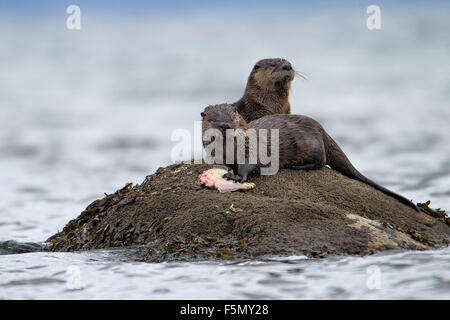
213,178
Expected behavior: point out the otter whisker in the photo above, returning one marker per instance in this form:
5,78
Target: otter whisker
300,75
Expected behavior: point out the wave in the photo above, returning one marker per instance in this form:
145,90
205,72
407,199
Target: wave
14,247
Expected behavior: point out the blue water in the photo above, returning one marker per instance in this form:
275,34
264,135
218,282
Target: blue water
83,112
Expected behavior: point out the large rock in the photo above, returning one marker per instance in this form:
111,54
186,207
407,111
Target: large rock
314,213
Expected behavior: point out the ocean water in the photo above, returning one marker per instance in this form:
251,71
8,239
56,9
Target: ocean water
83,112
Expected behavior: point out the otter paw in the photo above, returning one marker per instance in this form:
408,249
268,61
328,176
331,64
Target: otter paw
233,177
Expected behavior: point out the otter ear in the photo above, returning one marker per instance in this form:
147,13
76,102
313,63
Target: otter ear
202,114
256,67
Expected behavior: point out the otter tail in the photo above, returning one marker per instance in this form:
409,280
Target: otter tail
337,160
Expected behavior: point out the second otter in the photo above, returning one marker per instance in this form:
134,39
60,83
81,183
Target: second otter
303,144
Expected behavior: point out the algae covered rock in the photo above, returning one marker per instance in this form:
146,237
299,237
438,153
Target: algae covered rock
314,213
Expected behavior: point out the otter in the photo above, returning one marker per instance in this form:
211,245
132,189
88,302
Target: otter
221,117
266,93
303,145
267,90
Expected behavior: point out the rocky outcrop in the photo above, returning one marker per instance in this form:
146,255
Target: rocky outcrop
315,213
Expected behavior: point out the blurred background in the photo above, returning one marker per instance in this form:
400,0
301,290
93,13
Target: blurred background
82,112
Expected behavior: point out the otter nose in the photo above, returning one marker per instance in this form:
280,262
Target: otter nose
287,67
224,126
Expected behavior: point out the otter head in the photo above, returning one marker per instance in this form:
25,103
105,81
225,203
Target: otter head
222,117
272,74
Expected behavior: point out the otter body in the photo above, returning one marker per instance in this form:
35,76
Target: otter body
266,93
303,144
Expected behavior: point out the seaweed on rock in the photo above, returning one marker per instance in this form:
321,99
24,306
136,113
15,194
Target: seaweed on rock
314,213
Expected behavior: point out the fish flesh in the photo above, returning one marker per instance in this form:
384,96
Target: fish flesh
213,178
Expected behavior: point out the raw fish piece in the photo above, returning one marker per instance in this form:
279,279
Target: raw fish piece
213,178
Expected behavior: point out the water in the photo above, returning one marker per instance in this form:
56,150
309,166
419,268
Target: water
84,112
407,275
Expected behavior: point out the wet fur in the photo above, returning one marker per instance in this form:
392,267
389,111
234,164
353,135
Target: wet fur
304,144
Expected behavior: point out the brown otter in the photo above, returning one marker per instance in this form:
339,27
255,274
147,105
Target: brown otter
303,144
266,93
267,90
221,117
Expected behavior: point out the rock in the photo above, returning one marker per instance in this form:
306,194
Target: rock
315,213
